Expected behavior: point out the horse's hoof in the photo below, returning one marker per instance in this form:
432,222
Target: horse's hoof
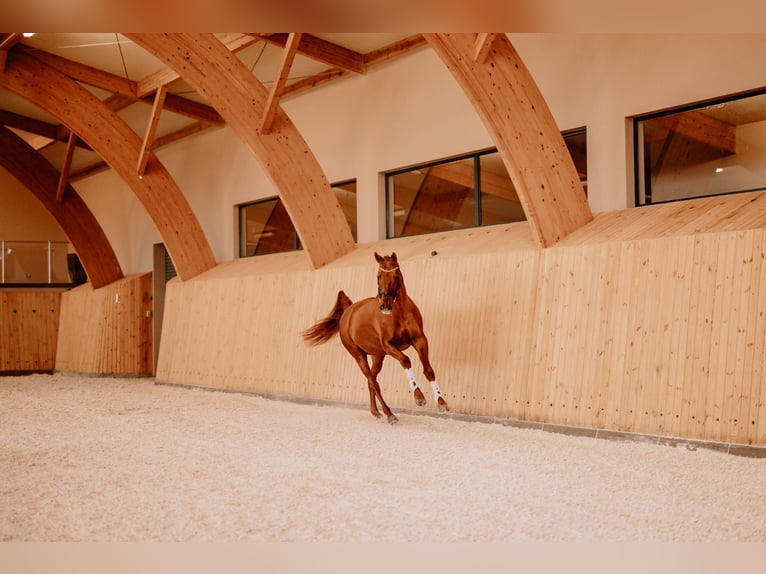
443,408
421,402
392,420
376,415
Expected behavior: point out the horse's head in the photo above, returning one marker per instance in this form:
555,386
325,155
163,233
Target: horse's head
389,281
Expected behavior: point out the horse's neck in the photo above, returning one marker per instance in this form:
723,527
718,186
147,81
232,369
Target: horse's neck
402,295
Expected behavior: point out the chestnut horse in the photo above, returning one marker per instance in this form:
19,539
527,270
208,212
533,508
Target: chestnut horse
379,326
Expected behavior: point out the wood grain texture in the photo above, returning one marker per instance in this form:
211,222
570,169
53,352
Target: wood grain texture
119,145
241,99
73,215
520,123
29,323
658,335
107,330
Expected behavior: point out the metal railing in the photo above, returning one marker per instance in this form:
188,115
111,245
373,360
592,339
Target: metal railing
34,263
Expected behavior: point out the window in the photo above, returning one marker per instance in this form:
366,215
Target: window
39,263
697,151
265,227
467,191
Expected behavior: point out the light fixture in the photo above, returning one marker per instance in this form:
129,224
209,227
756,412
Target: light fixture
719,170
27,34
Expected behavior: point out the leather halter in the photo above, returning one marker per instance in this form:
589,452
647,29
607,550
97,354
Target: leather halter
395,294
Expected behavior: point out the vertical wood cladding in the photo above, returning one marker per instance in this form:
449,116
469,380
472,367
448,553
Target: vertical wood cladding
28,330
659,330
107,330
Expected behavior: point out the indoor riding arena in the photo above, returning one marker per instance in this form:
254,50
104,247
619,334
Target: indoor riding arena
583,233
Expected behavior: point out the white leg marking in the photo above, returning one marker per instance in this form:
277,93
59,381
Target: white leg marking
411,379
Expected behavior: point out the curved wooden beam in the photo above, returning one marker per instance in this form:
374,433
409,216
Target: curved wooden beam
78,222
217,74
110,137
517,117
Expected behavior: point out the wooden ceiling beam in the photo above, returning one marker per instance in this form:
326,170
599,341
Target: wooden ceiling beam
151,131
313,81
237,94
29,125
180,134
84,73
148,85
10,40
370,59
518,119
6,44
75,218
483,46
394,49
322,51
64,175
45,132
173,103
280,79
117,102
119,145
189,108
159,143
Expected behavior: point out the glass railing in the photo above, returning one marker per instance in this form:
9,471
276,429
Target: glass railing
34,263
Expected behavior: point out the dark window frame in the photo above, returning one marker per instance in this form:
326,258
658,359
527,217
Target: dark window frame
296,240
477,192
701,104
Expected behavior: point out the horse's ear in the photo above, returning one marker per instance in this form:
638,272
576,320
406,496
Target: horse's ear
378,258
393,258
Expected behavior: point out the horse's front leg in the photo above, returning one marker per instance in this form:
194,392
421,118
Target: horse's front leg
420,344
406,364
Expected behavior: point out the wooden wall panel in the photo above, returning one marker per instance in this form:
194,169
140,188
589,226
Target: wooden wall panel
107,330
673,350
658,335
28,330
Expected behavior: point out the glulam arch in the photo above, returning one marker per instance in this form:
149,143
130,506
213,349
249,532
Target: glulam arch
205,63
110,137
518,119
74,217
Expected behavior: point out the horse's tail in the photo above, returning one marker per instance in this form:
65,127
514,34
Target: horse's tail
325,329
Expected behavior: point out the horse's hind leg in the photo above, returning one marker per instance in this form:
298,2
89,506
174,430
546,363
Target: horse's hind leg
377,364
373,386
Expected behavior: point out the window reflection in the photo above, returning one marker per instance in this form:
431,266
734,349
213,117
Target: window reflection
706,150
469,191
265,226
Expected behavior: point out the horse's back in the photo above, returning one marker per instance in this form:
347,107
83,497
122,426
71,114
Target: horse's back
363,326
